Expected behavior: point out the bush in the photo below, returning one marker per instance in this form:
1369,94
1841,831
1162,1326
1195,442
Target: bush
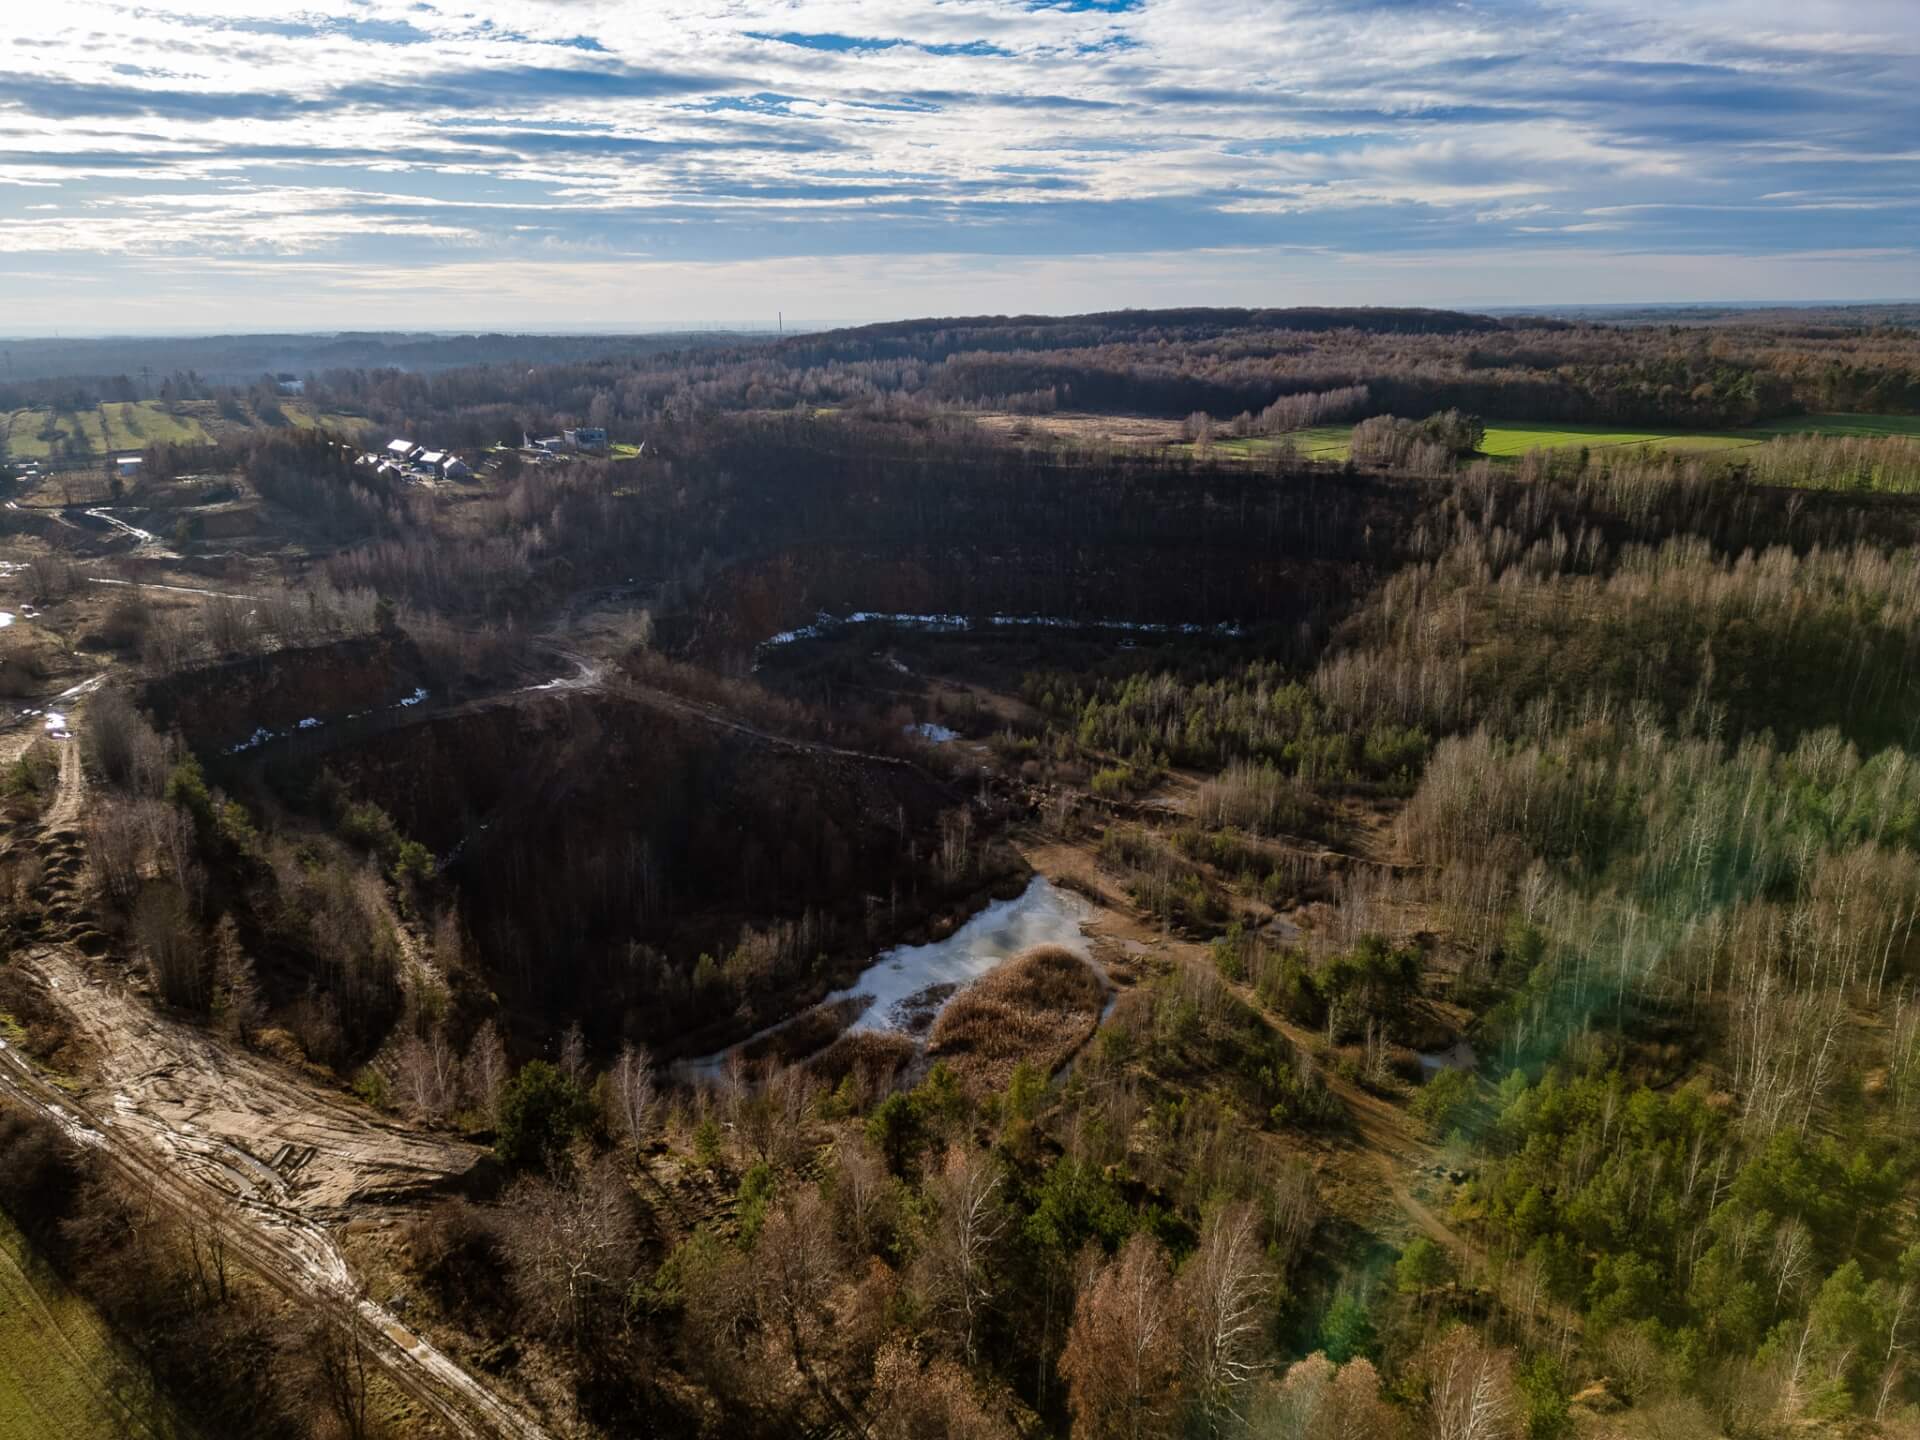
898,1129
459,1257
541,1111
1444,1098
1346,1331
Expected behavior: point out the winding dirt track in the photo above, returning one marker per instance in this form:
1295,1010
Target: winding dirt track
228,1139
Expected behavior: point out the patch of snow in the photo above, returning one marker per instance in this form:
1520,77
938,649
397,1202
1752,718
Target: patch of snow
6,618
415,698
259,737
310,723
825,624
1042,914
932,733
142,537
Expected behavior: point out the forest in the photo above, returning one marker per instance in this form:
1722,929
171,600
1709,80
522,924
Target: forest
1487,1003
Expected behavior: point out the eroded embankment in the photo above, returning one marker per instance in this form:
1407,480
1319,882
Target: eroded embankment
1205,548
218,707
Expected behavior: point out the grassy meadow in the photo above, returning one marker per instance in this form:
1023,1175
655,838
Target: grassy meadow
1510,439
62,1377
40,434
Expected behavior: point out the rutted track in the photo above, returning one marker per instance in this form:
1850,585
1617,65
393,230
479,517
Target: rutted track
189,1121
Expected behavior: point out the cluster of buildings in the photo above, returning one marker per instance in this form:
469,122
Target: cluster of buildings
417,462
409,461
590,440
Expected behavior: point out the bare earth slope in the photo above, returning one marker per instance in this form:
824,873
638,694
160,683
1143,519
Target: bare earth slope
230,1139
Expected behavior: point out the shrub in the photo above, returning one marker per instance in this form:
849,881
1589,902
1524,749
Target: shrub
898,1129
1347,1331
1444,1098
1037,1007
541,1110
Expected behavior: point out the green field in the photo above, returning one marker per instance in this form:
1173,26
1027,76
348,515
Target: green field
61,1375
1510,439
134,425
138,424
303,417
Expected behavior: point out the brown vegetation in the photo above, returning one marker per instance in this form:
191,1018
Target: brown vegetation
1038,1007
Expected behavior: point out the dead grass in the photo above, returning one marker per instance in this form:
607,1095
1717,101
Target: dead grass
808,1033
1039,1007
1081,429
872,1057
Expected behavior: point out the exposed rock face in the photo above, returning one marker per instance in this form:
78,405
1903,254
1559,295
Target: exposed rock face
221,705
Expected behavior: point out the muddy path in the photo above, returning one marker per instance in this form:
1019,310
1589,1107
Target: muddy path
226,1138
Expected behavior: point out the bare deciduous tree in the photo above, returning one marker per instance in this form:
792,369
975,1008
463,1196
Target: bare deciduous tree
634,1095
237,1006
796,1266
337,1357
1223,1291
861,1186
427,1072
935,1401
1470,1389
164,928
1122,1359
486,1069
1317,1400
969,1222
769,1113
572,1248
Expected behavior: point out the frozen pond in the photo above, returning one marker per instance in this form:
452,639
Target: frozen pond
1042,914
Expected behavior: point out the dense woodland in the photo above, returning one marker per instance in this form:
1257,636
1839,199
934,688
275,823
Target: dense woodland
1603,770
1268,365
1174,363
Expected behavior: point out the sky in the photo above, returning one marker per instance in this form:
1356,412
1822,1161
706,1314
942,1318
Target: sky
240,165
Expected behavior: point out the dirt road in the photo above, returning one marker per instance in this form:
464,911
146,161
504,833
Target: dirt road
228,1138
1381,1134
1390,1148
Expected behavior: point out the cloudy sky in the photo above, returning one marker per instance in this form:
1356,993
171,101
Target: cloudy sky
243,164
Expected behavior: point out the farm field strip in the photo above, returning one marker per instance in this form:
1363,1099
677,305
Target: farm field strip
1510,439
61,1374
136,424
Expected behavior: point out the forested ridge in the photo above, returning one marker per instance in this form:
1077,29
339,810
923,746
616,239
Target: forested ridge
1497,1007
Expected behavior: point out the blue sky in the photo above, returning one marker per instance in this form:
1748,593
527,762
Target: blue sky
241,165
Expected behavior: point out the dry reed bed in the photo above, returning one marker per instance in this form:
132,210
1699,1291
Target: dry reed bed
1039,1007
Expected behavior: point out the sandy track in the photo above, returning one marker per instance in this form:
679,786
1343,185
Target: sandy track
241,1119
228,1138
198,1177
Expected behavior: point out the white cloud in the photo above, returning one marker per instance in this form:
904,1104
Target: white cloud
379,139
